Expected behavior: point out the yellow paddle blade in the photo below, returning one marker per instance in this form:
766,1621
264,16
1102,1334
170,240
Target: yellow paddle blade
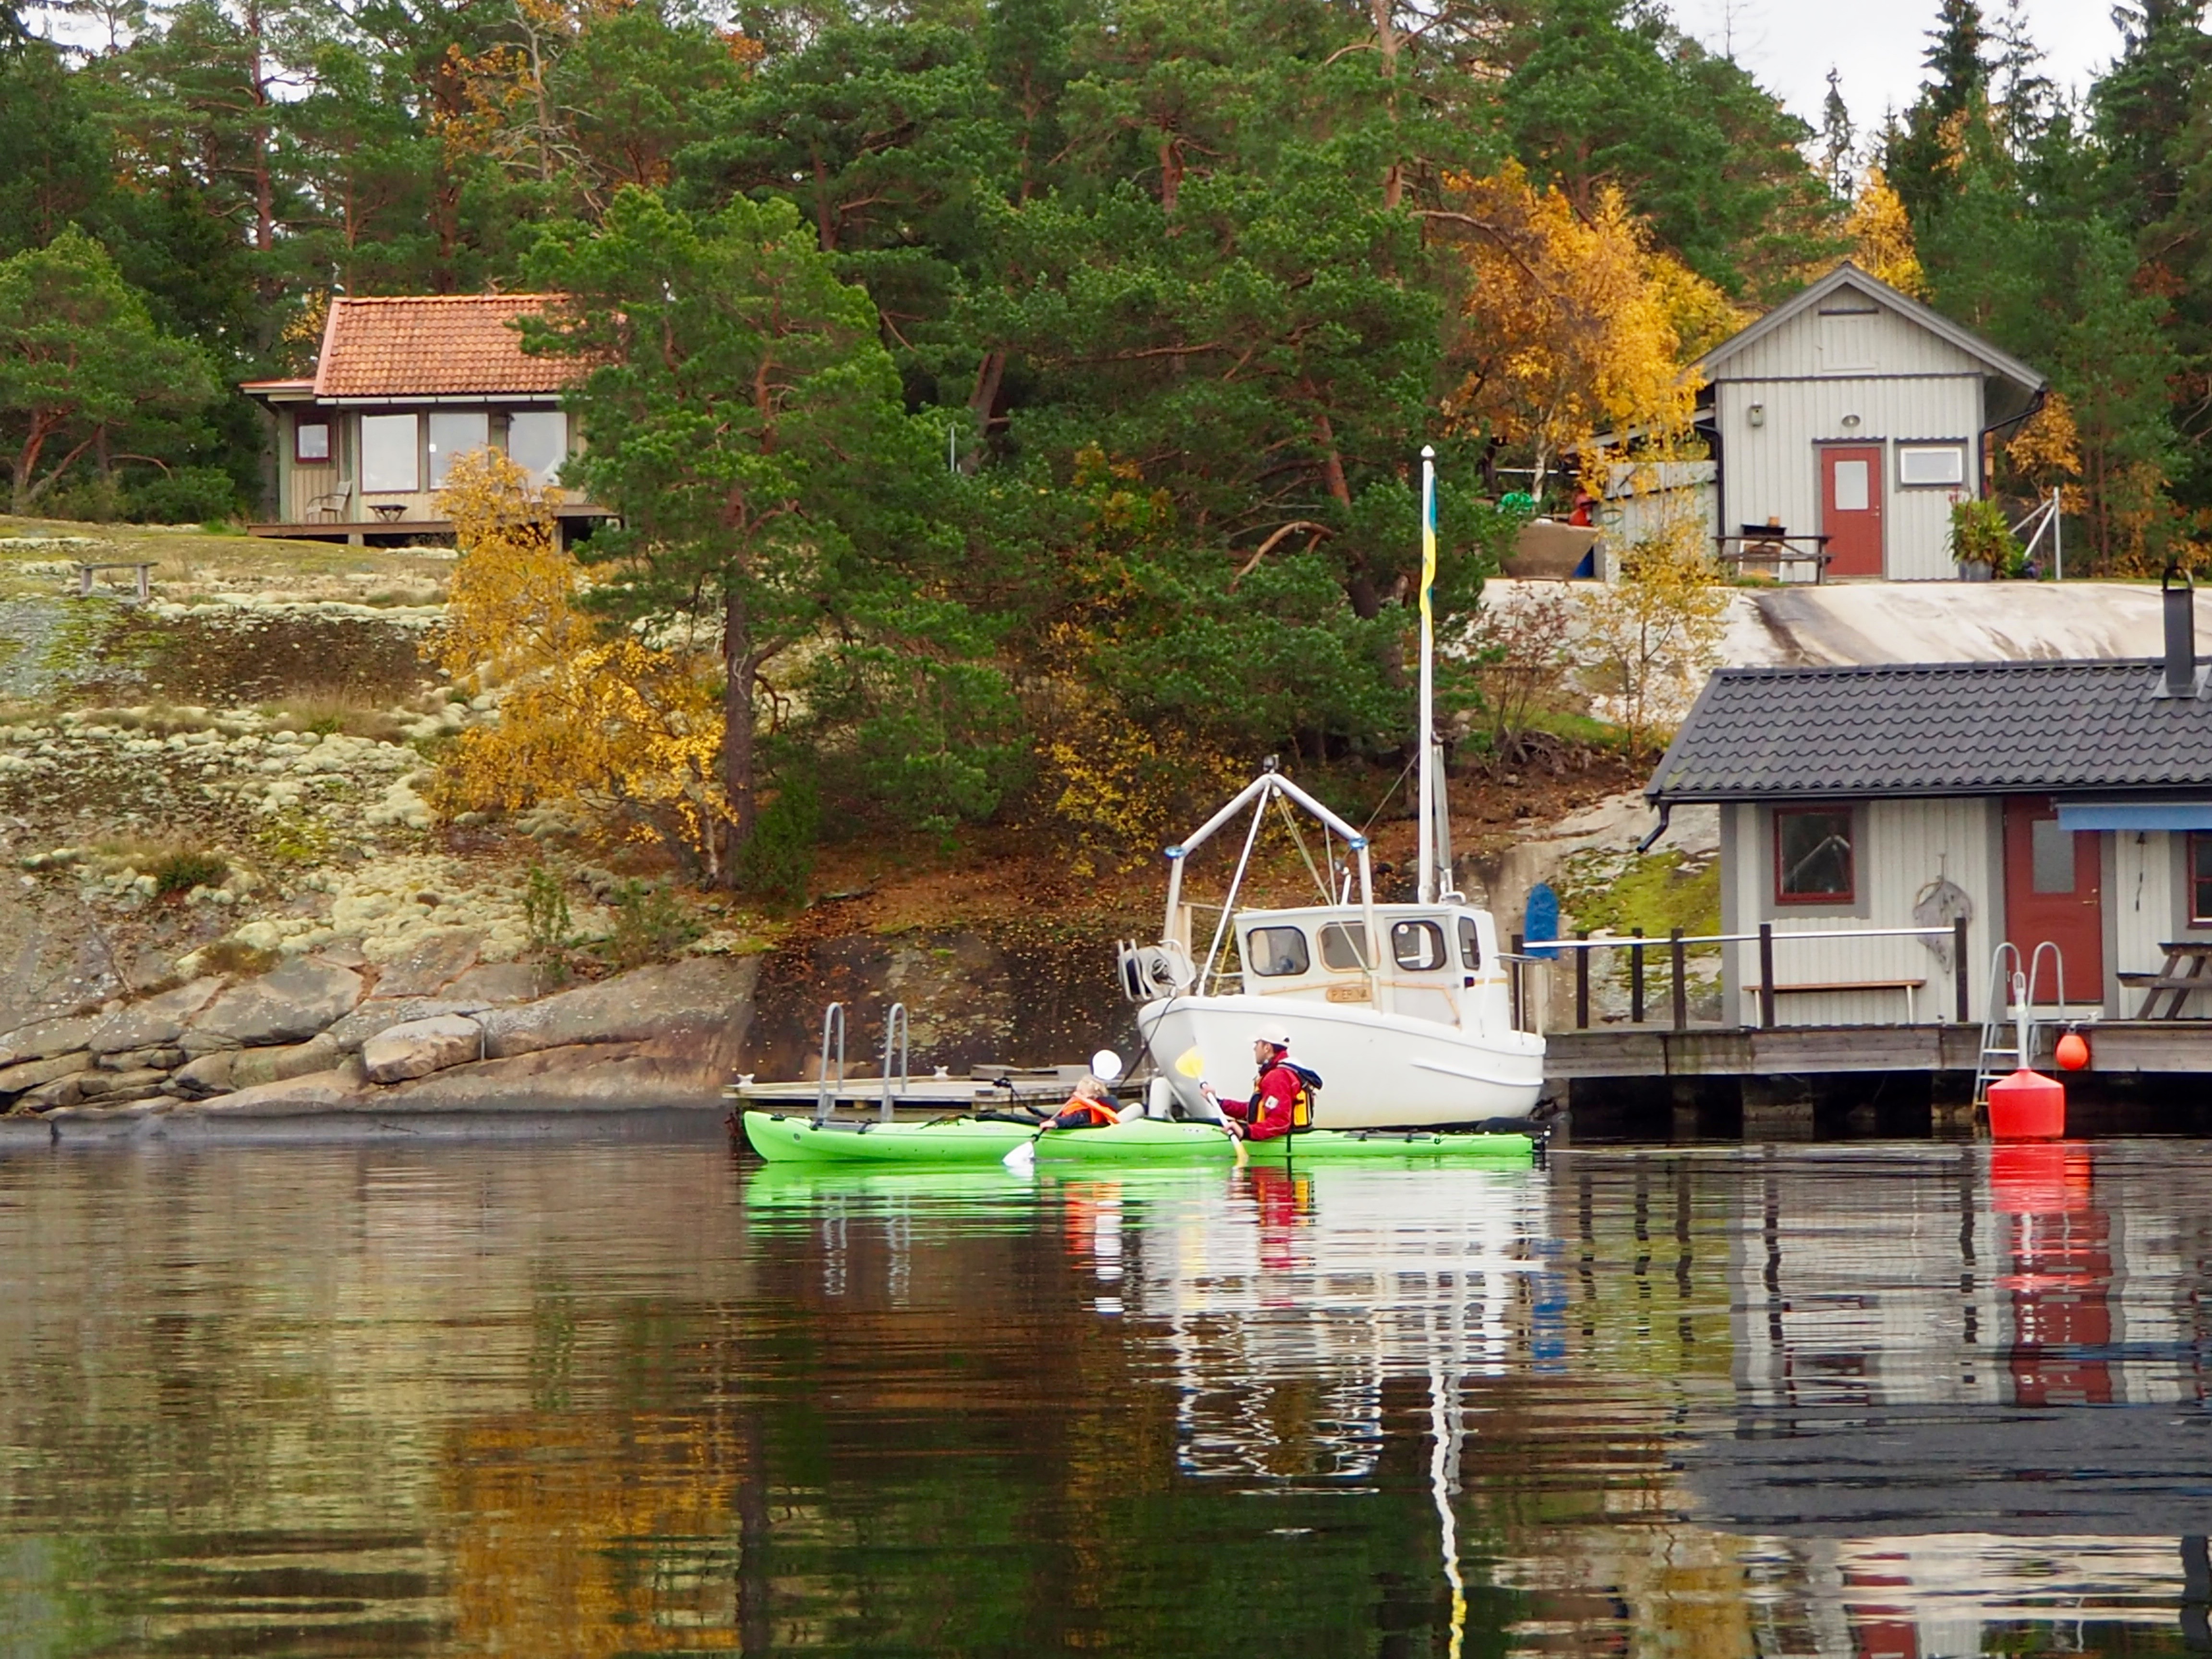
1191,1063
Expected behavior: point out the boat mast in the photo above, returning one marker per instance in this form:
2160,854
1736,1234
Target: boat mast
1425,733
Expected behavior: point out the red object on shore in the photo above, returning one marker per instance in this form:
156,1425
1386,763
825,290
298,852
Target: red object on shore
2028,1106
2073,1052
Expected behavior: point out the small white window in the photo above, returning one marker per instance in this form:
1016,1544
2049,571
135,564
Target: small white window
454,433
1932,464
389,460
537,442
1417,946
311,441
1852,492
2050,856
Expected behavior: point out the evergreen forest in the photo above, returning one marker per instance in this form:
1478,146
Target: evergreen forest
1017,401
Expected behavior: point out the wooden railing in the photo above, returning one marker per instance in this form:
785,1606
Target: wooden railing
1676,945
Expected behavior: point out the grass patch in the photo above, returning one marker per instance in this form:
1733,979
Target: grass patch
295,837
236,958
327,712
187,868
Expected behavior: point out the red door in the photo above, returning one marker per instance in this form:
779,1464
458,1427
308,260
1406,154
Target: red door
2052,880
1851,508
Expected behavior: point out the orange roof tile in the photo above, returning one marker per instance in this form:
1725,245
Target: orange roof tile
432,346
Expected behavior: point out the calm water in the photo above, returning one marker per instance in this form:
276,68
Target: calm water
1866,1399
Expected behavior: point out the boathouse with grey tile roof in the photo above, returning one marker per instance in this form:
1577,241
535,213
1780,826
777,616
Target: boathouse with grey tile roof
2062,801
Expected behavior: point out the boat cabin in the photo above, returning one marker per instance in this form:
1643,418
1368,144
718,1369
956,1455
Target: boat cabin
1440,962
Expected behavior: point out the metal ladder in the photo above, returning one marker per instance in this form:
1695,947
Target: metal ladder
2000,1059
831,1084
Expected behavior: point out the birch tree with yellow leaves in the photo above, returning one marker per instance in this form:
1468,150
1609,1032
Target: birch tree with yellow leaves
590,715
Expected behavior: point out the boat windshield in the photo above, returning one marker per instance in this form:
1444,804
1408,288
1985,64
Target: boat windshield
1417,946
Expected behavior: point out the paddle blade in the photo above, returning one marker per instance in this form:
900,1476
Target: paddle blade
1023,1159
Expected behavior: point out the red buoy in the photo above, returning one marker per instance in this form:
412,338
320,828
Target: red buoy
2073,1052
2028,1106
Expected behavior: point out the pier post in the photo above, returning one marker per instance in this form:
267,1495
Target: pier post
1581,983
1636,980
1513,982
1766,976
1676,954
1959,971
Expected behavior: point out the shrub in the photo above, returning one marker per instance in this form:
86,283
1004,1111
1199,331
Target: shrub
649,925
545,911
181,871
183,494
775,864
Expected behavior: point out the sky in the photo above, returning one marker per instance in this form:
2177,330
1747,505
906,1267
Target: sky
1877,45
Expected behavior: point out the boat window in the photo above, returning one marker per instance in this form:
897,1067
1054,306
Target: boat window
1417,946
1470,945
1274,951
1343,946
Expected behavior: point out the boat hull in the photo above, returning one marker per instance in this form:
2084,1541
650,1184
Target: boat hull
1148,1141
781,1140
1378,1071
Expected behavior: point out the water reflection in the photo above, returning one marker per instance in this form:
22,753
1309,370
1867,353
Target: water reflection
1923,1399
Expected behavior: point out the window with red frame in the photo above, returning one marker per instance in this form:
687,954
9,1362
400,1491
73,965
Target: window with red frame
2200,878
1812,856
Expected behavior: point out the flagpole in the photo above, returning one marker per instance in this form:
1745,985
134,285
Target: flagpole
1425,733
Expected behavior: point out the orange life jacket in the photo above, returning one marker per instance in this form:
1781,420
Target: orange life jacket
1099,1114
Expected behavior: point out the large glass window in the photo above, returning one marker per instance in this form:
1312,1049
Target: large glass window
1272,952
389,460
537,442
1342,946
2200,878
453,433
1417,946
1812,861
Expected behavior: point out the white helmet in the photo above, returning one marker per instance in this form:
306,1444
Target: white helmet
1279,1036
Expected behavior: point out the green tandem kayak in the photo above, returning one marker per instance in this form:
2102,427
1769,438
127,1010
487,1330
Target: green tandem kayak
781,1140
1147,1141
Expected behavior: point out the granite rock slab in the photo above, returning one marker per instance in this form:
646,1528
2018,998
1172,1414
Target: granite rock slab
291,1005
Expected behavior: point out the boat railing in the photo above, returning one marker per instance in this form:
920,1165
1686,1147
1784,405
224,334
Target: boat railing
1529,955
829,1086
894,1040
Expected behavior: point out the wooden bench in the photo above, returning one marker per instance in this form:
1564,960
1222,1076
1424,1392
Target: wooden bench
1831,987
145,569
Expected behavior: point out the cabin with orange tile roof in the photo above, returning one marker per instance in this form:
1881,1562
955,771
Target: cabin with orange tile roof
402,387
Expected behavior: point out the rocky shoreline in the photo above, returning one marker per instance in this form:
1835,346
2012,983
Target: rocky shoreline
432,1034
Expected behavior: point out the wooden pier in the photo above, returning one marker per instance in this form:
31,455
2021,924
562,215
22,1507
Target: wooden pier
2116,1048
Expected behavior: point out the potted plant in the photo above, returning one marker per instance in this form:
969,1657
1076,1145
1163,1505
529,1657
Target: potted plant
1982,542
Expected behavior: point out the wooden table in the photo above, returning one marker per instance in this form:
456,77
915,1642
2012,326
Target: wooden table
2188,968
388,512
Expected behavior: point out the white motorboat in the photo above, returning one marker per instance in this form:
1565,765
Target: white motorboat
1405,1010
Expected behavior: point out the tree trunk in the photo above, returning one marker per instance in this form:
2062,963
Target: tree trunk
737,665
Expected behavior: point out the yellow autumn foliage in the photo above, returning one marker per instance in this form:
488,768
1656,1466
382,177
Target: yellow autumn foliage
1881,237
625,729
1115,787
1572,325
2046,452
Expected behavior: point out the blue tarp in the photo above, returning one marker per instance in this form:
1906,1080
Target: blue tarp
2133,815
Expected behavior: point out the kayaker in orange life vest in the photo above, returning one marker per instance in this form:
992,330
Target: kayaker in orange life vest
1090,1107
1268,1114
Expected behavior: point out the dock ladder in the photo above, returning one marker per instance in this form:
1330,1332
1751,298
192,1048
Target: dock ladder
827,1088
2009,983
894,1033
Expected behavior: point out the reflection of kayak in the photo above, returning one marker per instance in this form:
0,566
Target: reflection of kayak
1148,1141
783,1140
803,1187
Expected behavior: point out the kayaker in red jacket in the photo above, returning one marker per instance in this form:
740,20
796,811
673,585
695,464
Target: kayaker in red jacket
1268,1114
